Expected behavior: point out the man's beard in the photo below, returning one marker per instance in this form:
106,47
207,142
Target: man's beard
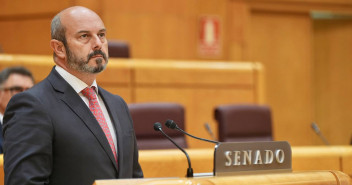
81,65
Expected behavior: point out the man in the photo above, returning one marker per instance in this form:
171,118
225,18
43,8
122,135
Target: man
12,81
66,130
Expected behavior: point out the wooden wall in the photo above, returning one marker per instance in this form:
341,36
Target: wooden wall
306,60
303,63
333,71
198,86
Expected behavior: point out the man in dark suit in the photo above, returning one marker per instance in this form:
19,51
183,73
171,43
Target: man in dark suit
12,81
66,130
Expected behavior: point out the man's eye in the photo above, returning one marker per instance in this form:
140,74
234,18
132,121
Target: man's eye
102,35
84,36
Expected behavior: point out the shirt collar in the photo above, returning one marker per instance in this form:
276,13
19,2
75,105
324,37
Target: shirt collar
1,118
77,84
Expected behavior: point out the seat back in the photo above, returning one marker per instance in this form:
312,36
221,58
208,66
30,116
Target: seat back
238,123
119,49
144,115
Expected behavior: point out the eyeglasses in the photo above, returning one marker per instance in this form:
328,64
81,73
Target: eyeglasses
14,90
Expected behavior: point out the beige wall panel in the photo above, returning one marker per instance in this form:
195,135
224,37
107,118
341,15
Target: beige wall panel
23,7
196,73
117,71
154,36
154,29
25,25
40,66
285,51
333,70
124,92
161,29
238,30
117,79
26,9
199,105
25,36
302,6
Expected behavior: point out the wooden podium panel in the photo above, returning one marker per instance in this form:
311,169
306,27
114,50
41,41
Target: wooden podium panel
346,161
157,163
323,158
316,158
173,163
295,178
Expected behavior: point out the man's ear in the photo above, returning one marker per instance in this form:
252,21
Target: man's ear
58,48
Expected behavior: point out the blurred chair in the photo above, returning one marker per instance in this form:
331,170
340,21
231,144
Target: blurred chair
119,49
144,115
237,123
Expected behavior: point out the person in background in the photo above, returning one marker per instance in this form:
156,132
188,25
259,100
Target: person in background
12,81
66,130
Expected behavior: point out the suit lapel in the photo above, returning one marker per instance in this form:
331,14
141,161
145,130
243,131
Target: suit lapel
67,94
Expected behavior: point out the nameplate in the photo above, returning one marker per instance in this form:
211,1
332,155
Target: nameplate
232,158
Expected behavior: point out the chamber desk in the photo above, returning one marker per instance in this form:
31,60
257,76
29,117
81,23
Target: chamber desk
295,178
166,163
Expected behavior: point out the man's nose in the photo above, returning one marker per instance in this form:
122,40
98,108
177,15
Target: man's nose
97,42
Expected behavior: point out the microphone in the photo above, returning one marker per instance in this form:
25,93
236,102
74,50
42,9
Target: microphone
210,131
157,127
317,131
171,124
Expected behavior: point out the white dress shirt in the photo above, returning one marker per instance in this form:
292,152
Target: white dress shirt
78,85
1,118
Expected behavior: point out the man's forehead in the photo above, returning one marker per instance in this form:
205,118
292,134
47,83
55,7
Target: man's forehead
16,78
81,18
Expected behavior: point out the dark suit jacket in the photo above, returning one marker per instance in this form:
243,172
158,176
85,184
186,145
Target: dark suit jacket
51,137
1,139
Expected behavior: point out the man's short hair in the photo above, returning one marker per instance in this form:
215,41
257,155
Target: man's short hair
58,31
5,73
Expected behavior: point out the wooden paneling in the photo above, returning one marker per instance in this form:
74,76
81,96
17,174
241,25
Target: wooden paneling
346,161
283,34
333,69
286,53
33,7
154,29
156,163
195,73
305,60
28,36
198,86
297,178
25,25
199,104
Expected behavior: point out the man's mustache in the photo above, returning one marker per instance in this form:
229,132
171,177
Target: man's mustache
97,52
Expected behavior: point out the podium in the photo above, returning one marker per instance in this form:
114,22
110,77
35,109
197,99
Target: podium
294,178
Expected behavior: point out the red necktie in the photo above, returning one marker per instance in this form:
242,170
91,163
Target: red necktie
98,113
